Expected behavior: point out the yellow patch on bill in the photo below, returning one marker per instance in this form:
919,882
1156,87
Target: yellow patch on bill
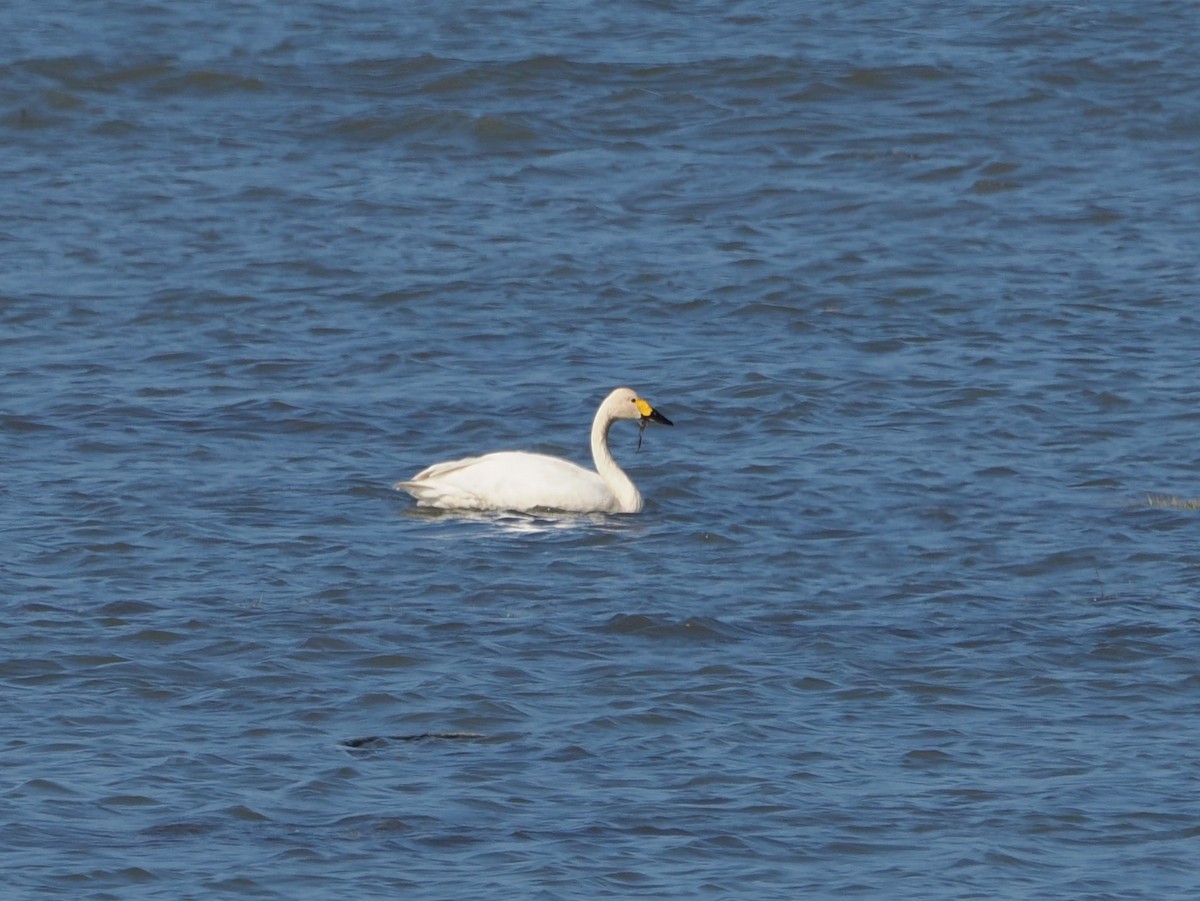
644,408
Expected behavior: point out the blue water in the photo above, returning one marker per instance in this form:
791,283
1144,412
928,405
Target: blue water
912,610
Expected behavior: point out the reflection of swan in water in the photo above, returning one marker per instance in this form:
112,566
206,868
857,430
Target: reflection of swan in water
521,481
517,523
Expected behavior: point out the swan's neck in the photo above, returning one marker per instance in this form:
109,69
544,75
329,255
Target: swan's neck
622,487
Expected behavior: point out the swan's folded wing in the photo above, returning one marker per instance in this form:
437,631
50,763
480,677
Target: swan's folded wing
510,480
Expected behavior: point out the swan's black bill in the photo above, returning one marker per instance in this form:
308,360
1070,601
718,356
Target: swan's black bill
653,416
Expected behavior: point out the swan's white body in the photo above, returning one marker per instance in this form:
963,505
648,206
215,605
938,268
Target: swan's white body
516,480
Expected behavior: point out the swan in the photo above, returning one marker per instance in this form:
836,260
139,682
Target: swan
521,481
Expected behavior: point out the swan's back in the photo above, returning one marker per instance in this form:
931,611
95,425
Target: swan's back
511,480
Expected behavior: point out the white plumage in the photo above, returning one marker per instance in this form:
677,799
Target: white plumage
516,480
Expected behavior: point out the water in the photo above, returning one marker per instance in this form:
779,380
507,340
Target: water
912,609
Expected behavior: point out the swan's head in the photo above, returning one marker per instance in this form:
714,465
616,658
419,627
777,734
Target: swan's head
624,403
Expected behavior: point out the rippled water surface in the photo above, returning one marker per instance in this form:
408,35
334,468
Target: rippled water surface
912,610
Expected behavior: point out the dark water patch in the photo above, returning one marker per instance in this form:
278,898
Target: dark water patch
207,84
660,628
377,742
178,831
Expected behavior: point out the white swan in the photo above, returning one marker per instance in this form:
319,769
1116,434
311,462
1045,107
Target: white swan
516,480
